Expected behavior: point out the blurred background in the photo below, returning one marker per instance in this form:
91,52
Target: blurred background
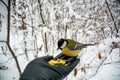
30,29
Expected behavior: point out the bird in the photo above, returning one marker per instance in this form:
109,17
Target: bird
70,47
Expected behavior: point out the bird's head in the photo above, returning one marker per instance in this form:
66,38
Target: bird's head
62,43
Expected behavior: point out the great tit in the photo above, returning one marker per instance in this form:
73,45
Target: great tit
70,47
70,51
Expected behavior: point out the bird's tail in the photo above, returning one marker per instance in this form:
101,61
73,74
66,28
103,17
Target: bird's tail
89,45
81,46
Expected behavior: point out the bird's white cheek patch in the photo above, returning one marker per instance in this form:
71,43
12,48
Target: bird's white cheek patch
64,44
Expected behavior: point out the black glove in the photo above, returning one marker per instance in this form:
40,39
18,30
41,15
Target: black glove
39,69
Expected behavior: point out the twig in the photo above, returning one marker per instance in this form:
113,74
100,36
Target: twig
40,6
3,41
66,27
116,62
45,42
4,3
101,64
111,62
8,38
111,16
25,49
15,58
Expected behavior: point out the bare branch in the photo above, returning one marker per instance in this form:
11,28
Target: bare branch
8,39
3,68
116,62
15,58
111,16
3,41
103,60
4,3
40,6
66,27
45,42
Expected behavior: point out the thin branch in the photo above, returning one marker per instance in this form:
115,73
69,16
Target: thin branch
112,63
15,58
101,64
45,38
8,39
3,68
66,27
3,41
40,6
25,43
4,3
116,62
45,42
111,16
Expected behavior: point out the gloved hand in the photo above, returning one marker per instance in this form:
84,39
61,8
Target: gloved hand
39,69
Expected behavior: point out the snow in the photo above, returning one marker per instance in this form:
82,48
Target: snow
106,72
3,21
110,75
85,21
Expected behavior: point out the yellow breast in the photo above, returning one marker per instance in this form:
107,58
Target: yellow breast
71,53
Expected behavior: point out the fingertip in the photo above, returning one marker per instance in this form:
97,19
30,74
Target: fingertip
48,57
74,63
77,60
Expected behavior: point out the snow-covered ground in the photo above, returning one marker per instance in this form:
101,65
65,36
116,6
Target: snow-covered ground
86,21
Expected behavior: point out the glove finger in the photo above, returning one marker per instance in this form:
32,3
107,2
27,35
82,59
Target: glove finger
73,64
47,58
65,70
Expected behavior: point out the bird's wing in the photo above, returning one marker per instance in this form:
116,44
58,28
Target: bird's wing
79,46
71,43
76,46
71,46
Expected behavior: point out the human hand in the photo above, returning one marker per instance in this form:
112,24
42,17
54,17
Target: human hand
39,69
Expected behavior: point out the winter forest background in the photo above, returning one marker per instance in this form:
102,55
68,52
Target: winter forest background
31,28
